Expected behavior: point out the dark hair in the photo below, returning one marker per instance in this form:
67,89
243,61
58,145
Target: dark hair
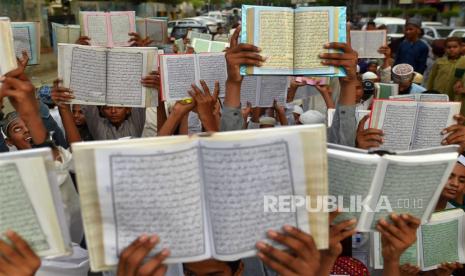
432,91
463,39
371,23
438,47
453,39
234,265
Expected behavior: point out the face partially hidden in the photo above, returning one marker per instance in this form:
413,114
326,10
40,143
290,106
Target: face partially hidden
456,183
116,115
453,49
208,268
405,85
18,135
78,116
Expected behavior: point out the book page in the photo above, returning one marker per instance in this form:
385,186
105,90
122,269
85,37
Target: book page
367,43
412,184
350,176
431,120
178,74
201,45
275,36
424,97
88,75
212,67
96,28
440,242
141,27
272,88
218,46
124,74
74,33
7,49
122,23
237,176
410,255
157,30
397,120
23,37
249,90
16,210
312,31
153,191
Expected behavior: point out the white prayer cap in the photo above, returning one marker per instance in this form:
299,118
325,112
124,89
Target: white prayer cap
267,121
461,159
298,110
312,117
402,72
369,76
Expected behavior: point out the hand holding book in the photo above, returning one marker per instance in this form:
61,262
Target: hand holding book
17,258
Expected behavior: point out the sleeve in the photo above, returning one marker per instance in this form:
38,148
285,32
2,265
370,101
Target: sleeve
150,126
137,119
432,76
231,119
344,127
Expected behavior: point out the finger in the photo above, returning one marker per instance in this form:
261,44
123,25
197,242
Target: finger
391,229
245,47
452,128
373,138
338,56
216,92
235,37
9,254
349,39
197,92
275,259
361,124
135,259
21,245
298,246
154,264
249,55
411,220
460,119
127,252
386,236
338,46
400,223
11,84
371,131
457,139
206,90
56,83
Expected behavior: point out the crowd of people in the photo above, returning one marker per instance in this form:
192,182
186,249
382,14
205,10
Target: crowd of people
47,119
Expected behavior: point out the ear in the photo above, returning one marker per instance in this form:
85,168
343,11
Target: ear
8,142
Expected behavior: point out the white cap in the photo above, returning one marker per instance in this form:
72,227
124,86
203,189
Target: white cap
369,76
298,110
461,159
267,121
312,117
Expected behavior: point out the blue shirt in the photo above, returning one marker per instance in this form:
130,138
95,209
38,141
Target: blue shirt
415,54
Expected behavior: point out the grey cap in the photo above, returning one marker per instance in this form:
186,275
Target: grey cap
6,122
414,21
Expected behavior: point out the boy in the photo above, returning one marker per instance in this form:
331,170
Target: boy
412,50
403,75
442,77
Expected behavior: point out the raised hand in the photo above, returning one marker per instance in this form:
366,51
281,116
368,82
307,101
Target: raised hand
137,41
409,270
302,258
16,257
368,138
455,133
83,40
61,96
152,80
205,103
131,259
22,64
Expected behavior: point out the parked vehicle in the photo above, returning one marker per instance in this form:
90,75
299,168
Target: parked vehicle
180,30
436,32
432,24
395,26
458,33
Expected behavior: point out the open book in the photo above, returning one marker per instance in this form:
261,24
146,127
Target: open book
292,39
412,125
108,29
31,202
203,196
26,36
422,97
208,46
155,29
7,49
102,76
193,34
441,240
385,184
64,34
367,43
262,90
179,72
386,90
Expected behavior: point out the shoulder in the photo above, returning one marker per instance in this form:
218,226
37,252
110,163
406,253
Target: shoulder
417,89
